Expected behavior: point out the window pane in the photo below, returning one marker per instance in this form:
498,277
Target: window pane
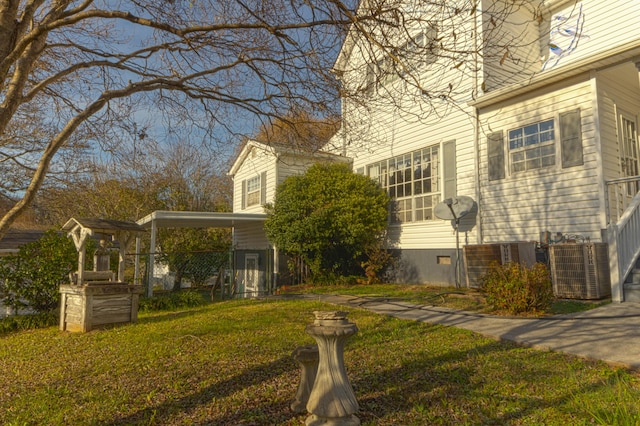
531,135
548,161
517,167
547,150
515,139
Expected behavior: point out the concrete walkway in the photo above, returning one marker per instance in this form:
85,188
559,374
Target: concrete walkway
610,333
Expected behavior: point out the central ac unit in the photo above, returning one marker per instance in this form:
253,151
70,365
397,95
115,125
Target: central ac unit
580,271
478,258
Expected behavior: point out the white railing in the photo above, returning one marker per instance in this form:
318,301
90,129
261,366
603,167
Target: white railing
623,236
619,193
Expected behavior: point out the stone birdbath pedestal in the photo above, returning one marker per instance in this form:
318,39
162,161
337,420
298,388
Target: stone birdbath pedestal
332,401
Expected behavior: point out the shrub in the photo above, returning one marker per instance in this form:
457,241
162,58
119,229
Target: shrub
171,301
328,217
31,278
28,322
517,289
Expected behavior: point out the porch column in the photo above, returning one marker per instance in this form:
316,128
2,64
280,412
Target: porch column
152,260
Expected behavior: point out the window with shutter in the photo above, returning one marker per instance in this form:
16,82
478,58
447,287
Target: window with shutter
253,191
412,180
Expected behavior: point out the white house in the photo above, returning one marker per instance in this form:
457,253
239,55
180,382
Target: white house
537,122
257,170
529,108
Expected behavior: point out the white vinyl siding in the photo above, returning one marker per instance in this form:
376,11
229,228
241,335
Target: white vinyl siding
253,181
421,51
510,47
618,92
250,236
553,198
606,24
539,38
387,134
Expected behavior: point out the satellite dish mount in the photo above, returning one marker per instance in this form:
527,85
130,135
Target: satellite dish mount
454,209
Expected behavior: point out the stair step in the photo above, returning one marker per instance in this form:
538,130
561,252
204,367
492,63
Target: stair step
632,292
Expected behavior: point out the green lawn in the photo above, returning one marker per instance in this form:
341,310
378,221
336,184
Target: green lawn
229,363
458,298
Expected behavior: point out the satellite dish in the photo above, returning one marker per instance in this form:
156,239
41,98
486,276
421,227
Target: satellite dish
453,208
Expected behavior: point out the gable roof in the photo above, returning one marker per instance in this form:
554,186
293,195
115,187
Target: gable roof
277,149
102,226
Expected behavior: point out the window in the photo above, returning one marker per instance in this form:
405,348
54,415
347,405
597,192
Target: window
421,50
562,32
253,191
532,147
413,181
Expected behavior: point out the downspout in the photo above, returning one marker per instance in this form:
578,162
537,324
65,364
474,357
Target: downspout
476,130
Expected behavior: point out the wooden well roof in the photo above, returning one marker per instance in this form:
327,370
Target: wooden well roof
102,226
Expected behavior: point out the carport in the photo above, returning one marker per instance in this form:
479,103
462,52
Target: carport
174,219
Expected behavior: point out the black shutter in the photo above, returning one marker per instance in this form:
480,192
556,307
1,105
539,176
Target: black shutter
495,152
263,188
571,139
449,169
244,194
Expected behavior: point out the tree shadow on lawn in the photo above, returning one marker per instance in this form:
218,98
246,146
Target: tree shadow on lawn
448,389
264,412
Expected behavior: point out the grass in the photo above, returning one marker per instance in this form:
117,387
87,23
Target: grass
229,363
458,298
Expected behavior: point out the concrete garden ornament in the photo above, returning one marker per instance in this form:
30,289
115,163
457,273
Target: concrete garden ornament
332,401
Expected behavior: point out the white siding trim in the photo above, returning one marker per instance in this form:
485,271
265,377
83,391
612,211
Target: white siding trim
597,142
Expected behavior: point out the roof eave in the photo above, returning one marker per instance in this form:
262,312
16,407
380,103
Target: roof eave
623,53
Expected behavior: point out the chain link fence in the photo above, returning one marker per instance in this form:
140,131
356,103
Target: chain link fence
205,270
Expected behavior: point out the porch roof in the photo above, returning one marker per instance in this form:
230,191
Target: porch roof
172,219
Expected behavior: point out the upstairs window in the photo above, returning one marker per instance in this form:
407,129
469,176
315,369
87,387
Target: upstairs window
420,51
253,191
532,146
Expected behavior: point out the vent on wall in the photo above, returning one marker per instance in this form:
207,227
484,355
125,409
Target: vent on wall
580,271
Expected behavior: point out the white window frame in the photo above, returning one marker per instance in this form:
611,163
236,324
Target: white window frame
405,180
532,146
253,191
